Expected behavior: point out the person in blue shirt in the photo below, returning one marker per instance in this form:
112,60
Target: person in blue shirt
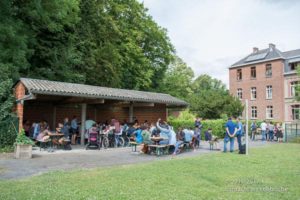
138,136
229,135
239,132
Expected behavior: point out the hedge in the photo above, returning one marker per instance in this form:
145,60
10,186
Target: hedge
8,133
217,126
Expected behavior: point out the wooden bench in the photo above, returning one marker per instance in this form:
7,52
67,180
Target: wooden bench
133,146
158,149
186,146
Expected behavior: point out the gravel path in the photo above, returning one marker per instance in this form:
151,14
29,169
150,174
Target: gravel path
79,158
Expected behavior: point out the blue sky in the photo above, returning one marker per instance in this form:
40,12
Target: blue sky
210,35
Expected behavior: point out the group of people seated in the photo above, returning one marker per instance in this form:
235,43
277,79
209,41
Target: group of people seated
41,133
160,133
147,135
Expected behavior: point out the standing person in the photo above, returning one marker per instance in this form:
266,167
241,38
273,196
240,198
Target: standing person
208,135
239,132
279,133
263,127
88,124
230,133
271,131
198,122
74,129
196,138
253,130
198,125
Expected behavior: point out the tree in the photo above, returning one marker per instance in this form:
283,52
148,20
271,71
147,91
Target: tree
211,99
121,45
178,79
50,28
13,55
205,82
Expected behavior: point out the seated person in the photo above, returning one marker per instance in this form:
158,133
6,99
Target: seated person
136,125
65,130
153,130
179,140
43,136
130,131
138,136
164,132
188,135
146,139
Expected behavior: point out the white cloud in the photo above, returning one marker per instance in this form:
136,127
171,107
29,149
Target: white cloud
212,35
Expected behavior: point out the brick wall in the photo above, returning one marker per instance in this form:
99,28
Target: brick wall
37,111
260,83
19,93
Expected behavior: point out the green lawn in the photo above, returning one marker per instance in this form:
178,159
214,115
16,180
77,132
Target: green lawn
271,172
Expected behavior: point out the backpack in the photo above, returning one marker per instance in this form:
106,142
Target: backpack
67,147
243,149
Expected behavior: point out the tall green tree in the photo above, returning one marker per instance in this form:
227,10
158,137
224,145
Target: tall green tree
50,28
121,45
13,54
211,99
178,79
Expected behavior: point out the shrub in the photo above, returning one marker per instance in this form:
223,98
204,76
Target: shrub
217,126
23,139
8,133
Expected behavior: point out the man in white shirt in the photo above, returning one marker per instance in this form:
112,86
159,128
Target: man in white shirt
263,127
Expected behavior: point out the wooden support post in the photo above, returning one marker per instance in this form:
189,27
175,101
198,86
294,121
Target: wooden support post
54,117
83,119
131,112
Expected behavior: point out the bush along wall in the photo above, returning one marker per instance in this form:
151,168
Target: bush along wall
217,126
8,133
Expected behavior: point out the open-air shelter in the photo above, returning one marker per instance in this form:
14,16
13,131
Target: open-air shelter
53,101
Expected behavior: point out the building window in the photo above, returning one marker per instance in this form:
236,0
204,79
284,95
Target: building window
269,112
269,92
253,72
253,93
253,112
293,86
239,74
240,93
296,112
268,70
293,66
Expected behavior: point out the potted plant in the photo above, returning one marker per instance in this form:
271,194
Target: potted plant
23,146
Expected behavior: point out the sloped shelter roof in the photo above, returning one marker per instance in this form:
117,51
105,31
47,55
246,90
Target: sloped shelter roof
45,87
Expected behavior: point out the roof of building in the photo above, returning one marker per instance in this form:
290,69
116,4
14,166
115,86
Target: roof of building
264,55
36,86
291,54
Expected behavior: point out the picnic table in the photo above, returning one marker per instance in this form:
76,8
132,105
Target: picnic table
55,137
156,140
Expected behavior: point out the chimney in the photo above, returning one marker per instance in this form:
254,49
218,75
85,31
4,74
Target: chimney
255,49
272,46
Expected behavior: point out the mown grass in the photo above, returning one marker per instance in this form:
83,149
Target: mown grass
271,172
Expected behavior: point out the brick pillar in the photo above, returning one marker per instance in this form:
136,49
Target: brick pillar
20,93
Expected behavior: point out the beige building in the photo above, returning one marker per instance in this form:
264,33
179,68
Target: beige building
267,78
